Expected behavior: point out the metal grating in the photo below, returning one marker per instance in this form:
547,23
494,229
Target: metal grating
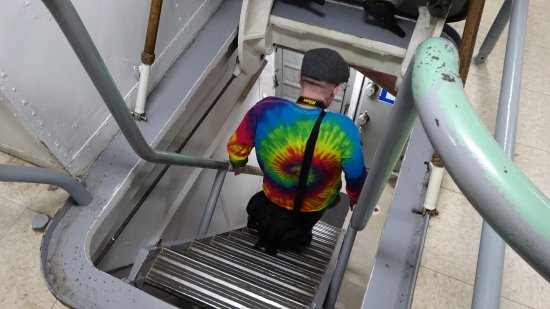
227,272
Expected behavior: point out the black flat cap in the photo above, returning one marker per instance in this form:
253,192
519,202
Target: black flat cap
326,65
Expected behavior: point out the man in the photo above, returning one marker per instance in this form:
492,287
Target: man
279,129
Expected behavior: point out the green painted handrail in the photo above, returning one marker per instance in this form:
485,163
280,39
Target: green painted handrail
514,207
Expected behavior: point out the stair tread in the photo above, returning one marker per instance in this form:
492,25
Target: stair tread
189,292
281,260
298,279
225,271
221,284
266,269
314,252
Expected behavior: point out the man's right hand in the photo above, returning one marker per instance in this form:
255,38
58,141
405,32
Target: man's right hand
237,170
247,169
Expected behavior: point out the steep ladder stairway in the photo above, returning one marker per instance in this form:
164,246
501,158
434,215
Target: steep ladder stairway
225,271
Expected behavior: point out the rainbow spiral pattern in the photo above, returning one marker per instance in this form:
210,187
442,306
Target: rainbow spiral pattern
279,129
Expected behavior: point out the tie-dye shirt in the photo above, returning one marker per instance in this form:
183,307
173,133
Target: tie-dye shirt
279,129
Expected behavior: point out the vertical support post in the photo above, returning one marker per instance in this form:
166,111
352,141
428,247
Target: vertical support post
400,123
211,203
469,35
507,114
490,264
141,257
340,269
494,33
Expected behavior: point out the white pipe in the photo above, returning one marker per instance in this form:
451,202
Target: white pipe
144,70
433,186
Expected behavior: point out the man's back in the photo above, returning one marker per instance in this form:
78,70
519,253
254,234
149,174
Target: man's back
279,129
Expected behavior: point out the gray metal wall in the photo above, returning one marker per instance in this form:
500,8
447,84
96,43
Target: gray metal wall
17,139
42,80
378,111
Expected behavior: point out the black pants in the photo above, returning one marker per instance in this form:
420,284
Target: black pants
306,219
280,228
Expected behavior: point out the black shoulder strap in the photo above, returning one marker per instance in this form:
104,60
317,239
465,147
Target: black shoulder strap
306,163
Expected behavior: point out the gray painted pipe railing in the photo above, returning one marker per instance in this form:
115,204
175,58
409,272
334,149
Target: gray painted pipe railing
522,227
395,136
71,25
514,207
494,33
339,271
436,87
490,261
211,204
32,174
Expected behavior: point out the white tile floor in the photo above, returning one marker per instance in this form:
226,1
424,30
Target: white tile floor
448,264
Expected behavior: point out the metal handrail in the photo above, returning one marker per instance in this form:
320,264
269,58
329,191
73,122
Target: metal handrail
71,25
211,204
15,173
494,33
505,198
399,125
74,30
514,207
490,261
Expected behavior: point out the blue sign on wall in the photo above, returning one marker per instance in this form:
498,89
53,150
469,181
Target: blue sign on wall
386,97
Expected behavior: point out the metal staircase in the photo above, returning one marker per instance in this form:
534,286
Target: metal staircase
226,271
